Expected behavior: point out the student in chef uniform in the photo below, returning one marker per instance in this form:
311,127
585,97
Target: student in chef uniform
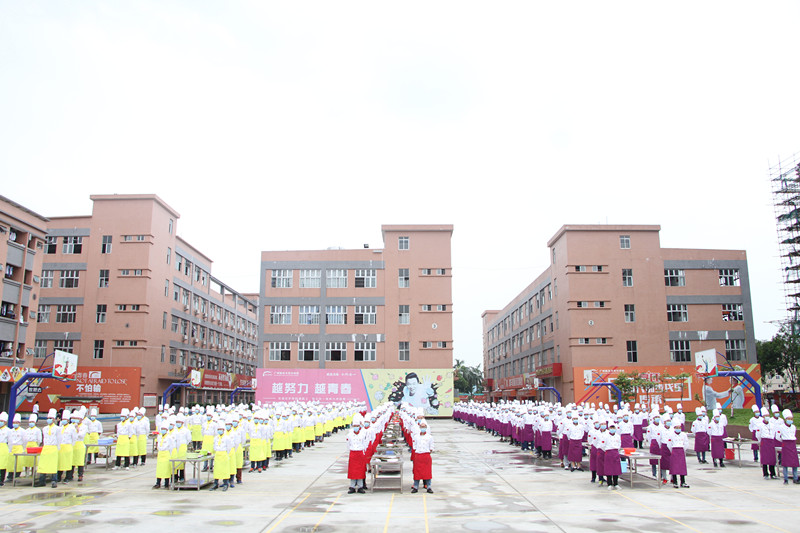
93,430
209,435
666,437
701,439
240,436
716,433
123,447
164,444
753,426
600,460
221,446
545,430
786,438
48,459
33,438
638,418
5,447
612,467
766,444
575,450
594,442
679,417
79,446
653,438
625,430
67,441
257,445
195,422
357,464
142,425
183,439
677,443
423,446
16,441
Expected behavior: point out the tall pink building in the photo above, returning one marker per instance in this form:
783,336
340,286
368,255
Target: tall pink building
614,300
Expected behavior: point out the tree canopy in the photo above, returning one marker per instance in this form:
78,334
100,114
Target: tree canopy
467,379
780,356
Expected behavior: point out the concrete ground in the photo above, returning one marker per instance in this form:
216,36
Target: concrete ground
481,485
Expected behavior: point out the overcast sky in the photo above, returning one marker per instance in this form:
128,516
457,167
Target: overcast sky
304,125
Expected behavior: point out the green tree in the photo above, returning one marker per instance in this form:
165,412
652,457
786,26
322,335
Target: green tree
629,383
467,379
780,356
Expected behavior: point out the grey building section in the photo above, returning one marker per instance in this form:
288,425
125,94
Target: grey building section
59,336
69,232
744,298
61,300
64,266
190,257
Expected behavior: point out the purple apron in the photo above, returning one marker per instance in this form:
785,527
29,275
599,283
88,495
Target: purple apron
789,454
611,463
717,447
701,441
665,457
677,462
768,452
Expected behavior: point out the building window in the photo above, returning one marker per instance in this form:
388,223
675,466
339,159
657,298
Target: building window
65,314
281,279
583,340
46,281
735,350
441,307
280,314
336,351
365,278
630,313
364,351
677,313
599,304
582,304
119,343
50,245
171,224
732,312
403,278
174,324
178,262
633,354
69,279
72,245
336,278
442,344
627,277
674,277
43,316
426,271
169,255
310,279
336,314
64,346
680,351
625,242
404,315
133,343
309,314
729,277
441,271
597,268
103,279
601,340
105,246
102,309
404,351
280,351
308,351
99,346
365,314
402,243
580,268
40,349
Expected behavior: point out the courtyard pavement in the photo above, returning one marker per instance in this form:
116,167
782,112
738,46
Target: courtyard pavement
480,484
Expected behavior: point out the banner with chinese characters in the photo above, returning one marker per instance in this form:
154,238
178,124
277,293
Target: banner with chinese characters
429,389
117,387
667,388
214,379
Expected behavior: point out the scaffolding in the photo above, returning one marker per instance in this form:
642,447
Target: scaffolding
785,179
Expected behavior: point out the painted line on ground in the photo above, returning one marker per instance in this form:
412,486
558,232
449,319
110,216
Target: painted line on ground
657,512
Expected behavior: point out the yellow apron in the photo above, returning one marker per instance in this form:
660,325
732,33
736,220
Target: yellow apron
65,457
5,456
221,468
48,460
92,438
162,461
142,444
79,453
27,462
17,448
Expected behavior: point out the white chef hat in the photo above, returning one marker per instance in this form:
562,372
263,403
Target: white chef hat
787,414
719,406
764,411
51,413
65,415
93,411
4,416
755,408
774,408
33,417
17,418
715,412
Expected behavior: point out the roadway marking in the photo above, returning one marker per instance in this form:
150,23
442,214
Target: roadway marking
326,512
388,515
290,512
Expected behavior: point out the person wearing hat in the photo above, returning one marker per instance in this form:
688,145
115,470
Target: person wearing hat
574,434
5,447
221,446
653,438
79,447
65,450
16,441
141,427
753,426
702,441
786,437
183,439
209,434
33,439
164,444
423,446
48,459
595,440
677,443
123,448
612,467
357,460
638,419
94,428
766,444
716,432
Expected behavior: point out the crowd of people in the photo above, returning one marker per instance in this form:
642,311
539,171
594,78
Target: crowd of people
601,433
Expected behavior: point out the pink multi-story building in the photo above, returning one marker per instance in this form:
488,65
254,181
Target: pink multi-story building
367,308
614,300
121,289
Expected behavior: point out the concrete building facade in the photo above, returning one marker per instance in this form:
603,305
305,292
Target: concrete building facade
613,298
365,308
120,288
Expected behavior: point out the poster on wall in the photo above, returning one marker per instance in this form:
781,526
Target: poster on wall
118,387
667,388
429,389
